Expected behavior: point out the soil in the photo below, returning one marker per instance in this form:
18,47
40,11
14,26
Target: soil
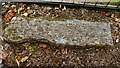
66,56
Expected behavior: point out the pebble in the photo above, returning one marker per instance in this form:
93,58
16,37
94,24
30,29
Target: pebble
3,3
56,8
64,8
28,7
48,8
6,6
117,40
25,14
13,6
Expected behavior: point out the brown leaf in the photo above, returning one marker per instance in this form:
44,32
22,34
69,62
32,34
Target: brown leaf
5,54
43,46
30,11
9,15
64,51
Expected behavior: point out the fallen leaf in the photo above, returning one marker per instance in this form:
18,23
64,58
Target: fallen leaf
1,61
64,51
30,11
9,15
113,16
25,58
18,63
43,46
5,54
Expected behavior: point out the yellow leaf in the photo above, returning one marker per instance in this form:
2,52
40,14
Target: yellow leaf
18,63
24,59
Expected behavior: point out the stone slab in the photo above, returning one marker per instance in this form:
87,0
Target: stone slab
72,32
76,1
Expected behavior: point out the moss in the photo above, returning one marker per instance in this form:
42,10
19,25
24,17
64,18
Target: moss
9,32
114,3
17,37
100,46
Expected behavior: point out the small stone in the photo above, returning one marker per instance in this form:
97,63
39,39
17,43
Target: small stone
13,6
6,6
28,7
64,8
117,40
30,11
56,8
96,42
3,3
25,14
48,8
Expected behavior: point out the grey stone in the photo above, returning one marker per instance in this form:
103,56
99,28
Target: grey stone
72,32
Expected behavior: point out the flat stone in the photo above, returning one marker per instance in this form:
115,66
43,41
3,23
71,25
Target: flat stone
72,32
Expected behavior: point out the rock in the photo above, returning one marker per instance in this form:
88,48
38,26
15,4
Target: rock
72,32
56,8
3,3
13,6
28,7
47,8
117,40
64,8
25,14
6,6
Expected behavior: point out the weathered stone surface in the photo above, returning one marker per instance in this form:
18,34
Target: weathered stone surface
73,32
1,48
